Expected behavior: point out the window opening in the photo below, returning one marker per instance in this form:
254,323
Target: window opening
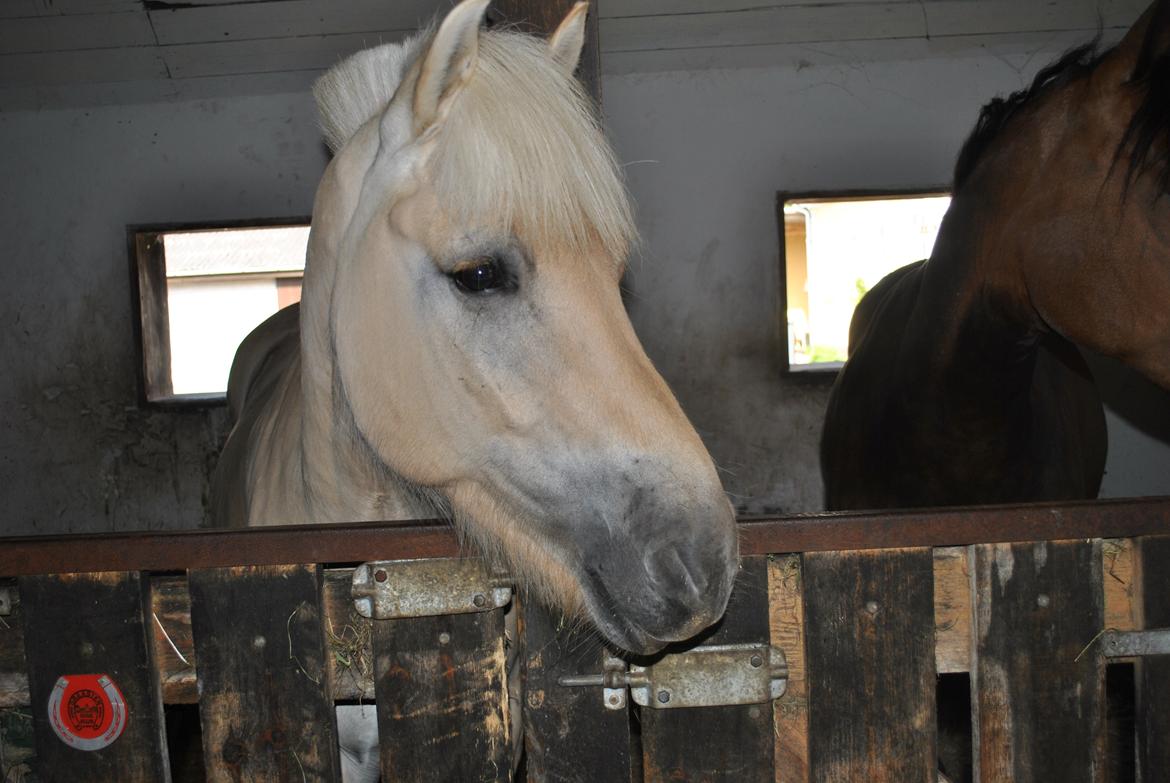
836,248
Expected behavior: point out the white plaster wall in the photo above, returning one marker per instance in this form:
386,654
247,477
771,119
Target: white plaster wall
77,453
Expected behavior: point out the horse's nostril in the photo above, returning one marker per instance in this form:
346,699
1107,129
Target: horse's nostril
676,572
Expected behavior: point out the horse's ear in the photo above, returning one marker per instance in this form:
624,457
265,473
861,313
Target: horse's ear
567,41
447,64
1148,39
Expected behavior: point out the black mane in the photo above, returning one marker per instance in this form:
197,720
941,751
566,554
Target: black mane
995,115
1146,141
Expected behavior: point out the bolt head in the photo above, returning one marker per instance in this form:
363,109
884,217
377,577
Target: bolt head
380,576
444,638
757,661
664,697
479,599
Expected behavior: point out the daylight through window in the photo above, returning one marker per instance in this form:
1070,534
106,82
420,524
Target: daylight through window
836,249
202,292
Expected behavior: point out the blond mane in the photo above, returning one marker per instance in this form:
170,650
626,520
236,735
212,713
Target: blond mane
521,150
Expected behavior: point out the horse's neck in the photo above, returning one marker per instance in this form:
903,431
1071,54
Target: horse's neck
341,478
971,330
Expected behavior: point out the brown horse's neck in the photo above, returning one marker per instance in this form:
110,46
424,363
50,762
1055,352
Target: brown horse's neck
971,328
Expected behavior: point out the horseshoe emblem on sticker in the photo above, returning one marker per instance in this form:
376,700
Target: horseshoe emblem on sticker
87,711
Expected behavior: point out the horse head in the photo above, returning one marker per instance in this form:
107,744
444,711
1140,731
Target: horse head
462,315
1063,189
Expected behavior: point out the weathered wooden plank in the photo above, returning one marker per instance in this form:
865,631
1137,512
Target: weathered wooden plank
441,686
97,712
86,66
557,718
1153,674
174,647
13,9
715,744
154,325
1119,579
793,24
189,24
307,53
671,7
805,54
1039,711
62,33
952,610
786,620
869,622
963,17
13,668
266,706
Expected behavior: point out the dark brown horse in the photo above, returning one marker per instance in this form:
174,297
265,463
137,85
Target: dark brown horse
964,383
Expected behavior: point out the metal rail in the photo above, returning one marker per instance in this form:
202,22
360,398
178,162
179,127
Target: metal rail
355,543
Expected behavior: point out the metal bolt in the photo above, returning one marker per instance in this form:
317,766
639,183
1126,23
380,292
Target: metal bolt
756,661
614,700
259,642
754,713
444,638
871,607
479,599
663,696
380,576
1042,600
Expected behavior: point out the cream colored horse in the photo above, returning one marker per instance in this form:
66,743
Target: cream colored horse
462,348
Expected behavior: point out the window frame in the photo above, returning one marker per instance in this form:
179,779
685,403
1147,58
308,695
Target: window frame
148,286
826,372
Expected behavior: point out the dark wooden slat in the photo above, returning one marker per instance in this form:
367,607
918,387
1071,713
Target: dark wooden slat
13,668
266,705
358,542
1039,703
556,717
442,698
154,329
1153,674
88,625
869,626
716,744
180,550
543,16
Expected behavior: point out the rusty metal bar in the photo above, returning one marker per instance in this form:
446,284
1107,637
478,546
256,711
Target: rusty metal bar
355,543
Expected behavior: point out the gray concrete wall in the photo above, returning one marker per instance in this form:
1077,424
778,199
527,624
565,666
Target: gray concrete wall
77,453
706,153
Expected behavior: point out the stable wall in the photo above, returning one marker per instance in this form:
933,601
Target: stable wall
705,153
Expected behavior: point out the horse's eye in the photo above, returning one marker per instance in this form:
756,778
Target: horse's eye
482,274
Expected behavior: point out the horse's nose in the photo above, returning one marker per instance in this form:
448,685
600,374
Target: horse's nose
680,572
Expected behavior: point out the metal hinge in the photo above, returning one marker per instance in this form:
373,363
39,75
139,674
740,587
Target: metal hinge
713,676
1133,644
389,589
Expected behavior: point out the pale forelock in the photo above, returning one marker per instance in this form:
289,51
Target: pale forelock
522,150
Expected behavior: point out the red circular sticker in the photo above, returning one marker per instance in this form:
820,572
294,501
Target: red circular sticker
87,711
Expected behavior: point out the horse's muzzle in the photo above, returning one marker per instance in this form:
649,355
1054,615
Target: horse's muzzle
645,595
